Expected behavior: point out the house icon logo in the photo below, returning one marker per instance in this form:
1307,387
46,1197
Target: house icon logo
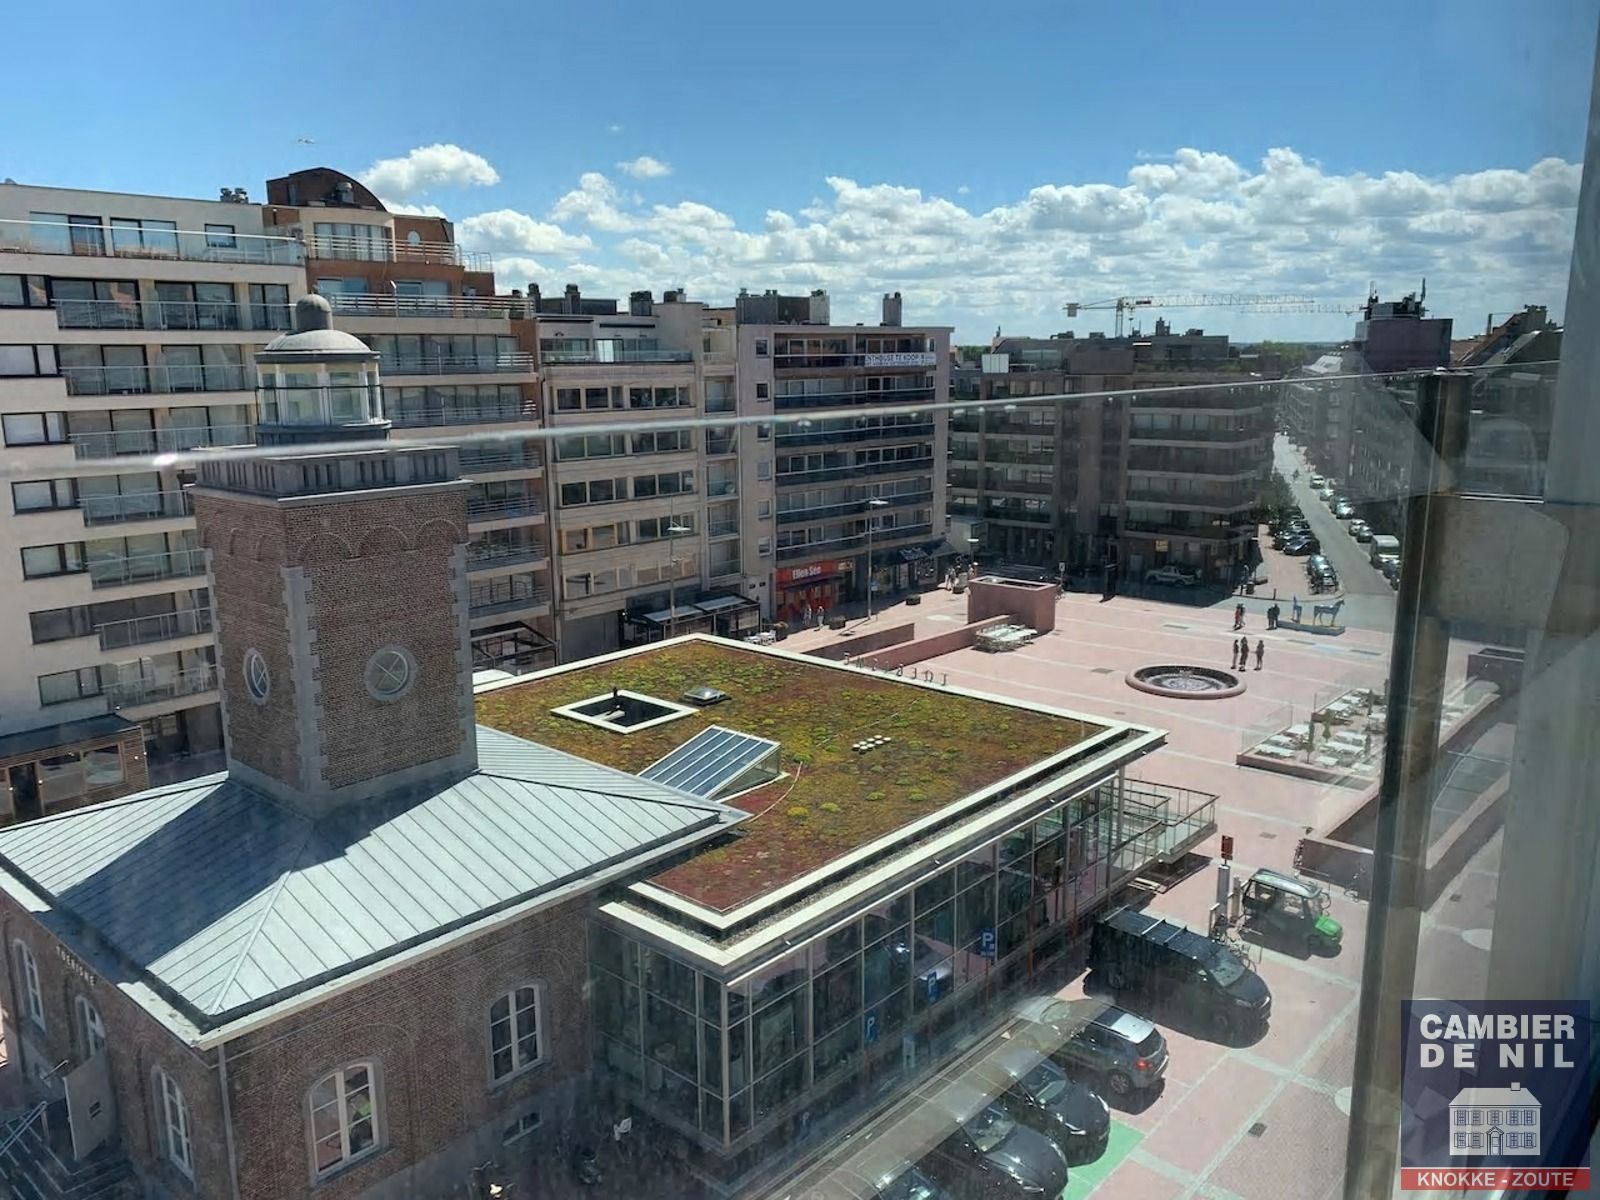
1498,1121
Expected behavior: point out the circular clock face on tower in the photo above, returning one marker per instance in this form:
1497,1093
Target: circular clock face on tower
390,673
257,676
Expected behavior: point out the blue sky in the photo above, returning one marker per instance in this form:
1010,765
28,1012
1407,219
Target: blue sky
989,163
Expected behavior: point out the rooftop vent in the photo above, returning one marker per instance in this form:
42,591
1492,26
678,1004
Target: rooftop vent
705,696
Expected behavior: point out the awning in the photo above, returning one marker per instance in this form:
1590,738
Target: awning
665,616
68,733
725,604
937,548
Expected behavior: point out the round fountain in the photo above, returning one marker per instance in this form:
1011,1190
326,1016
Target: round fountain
1186,682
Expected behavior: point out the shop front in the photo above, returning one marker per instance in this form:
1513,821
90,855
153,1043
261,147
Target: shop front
820,585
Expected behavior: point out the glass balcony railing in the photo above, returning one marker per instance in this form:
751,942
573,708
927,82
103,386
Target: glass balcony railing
94,240
481,308
111,443
163,627
146,568
513,363
171,315
137,380
556,357
131,693
135,506
505,507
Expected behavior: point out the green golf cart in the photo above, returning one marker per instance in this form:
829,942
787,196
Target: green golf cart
1289,913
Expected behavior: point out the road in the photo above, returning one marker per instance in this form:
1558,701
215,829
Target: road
1357,576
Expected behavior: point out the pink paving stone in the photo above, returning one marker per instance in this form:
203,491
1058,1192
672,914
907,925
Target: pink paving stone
1304,1007
1209,1115
1335,1062
1301,1152
1135,1181
1153,1114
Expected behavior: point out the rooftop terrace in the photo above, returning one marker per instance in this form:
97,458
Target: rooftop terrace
831,798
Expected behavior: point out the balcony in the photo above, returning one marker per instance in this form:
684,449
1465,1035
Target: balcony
490,460
522,598
184,245
134,692
830,512
722,487
1016,513
862,397
887,360
1222,500
723,528
159,441
372,304
165,627
354,249
504,556
557,358
433,418
146,568
515,363
163,380
881,539
830,474
873,433
135,506
721,404
1217,437
170,314
505,508
724,444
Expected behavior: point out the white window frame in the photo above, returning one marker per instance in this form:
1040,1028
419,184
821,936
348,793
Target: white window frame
90,1027
28,981
514,1011
339,1075
176,1128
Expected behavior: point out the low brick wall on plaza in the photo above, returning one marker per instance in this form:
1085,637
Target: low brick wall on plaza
916,651
1025,602
865,643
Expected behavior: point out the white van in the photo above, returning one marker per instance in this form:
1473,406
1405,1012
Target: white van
1382,544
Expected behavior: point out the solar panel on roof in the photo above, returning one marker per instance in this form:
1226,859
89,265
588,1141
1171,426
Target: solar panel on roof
711,761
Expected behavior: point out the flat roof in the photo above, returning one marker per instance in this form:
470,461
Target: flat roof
832,799
68,733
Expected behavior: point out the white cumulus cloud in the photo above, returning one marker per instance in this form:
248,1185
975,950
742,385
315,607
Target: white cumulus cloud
442,164
505,230
645,167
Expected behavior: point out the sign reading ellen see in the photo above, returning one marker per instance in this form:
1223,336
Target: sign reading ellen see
1494,1096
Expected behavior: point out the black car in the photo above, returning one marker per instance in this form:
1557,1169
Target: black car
990,1154
1042,1096
1135,951
880,1174
1305,544
1090,1037
1289,532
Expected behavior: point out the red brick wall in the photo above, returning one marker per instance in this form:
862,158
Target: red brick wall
1030,604
931,647
135,772
427,1029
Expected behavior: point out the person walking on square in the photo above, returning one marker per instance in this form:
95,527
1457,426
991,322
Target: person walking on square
1244,653
1238,616
806,613
1261,650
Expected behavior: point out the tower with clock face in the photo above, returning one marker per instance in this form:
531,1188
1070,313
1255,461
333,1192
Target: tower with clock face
339,581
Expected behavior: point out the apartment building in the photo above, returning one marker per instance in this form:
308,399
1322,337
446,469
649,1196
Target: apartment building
127,328
457,361
854,495
1137,480
650,516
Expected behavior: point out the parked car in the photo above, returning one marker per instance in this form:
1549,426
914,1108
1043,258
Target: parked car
1088,1037
1040,1094
1344,511
1171,573
1141,953
879,1173
990,1154
1289,533
1325,493
1360,530
1389,564
1317,562
1304,544
1318,482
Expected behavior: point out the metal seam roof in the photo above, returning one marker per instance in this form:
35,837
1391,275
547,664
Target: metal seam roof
227,901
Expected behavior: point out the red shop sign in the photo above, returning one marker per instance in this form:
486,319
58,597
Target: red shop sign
816,570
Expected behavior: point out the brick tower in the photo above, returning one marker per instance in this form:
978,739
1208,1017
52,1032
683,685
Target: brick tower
339,583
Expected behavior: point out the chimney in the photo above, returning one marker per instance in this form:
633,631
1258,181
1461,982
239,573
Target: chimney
574,301
818,314
672,296
535,296
640,304
891,309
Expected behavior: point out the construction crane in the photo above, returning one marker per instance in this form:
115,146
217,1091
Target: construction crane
1241,302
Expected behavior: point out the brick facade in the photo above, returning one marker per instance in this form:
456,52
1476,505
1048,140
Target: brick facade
135,771
317,588
425,1028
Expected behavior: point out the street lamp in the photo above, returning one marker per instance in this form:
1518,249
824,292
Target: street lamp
673,531
875,502
974,542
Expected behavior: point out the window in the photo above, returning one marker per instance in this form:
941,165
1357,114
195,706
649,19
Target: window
41,562
220,237
761,347
764,469
761,391
764,547
175,1126
44,495
343,1116
390,672
763,433
569,399
65,687
28,977
514,1033
19,360
257,675
91,1030
527,1123
764,509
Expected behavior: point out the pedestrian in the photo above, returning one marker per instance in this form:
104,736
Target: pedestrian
1296,610
1243,650
1238,616
1261,650
1233,655
806,612
1272,616
822,616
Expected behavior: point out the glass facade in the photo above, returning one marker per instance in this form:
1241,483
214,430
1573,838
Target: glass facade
867,1001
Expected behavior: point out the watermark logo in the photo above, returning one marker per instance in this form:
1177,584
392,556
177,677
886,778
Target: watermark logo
1494,1096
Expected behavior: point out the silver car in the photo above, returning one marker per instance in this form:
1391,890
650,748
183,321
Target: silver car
1091,1037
